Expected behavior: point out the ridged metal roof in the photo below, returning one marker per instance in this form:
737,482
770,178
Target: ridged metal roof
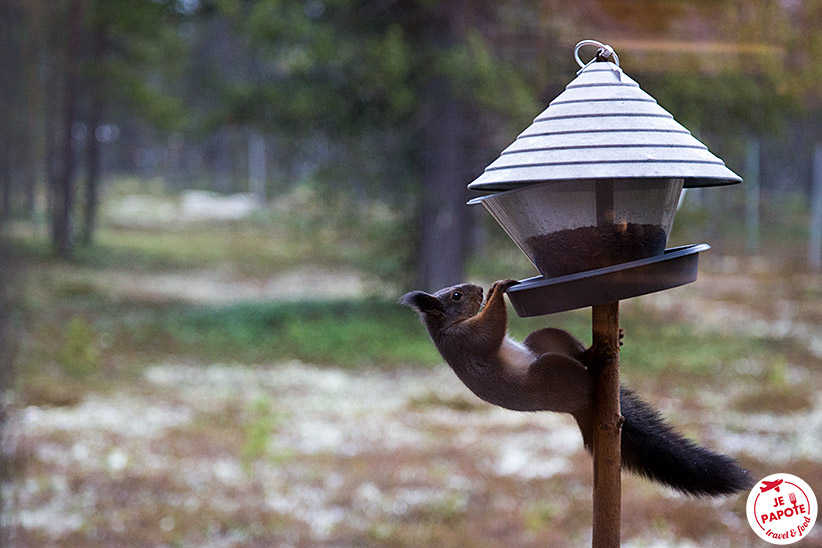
604,126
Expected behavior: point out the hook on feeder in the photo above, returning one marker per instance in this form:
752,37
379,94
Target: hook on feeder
604,52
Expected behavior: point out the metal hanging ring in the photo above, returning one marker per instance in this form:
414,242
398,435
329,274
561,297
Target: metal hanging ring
604,52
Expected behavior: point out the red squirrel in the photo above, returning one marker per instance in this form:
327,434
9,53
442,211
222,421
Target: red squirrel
549,371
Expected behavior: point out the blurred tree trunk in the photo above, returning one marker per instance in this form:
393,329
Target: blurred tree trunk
51,147
64,191
444,219
223,165
5,178
6,68
93,169
815,239
33,127
256,163
95,118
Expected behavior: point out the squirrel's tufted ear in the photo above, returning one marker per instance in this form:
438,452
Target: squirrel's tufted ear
422,302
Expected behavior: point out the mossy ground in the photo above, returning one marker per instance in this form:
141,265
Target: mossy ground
146,411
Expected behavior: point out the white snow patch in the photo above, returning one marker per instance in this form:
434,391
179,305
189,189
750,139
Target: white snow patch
129,416
202,205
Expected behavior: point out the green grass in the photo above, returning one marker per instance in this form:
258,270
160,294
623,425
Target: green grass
657,347
303,227
74,343
348,333
250,249
366,332
300,230
79,355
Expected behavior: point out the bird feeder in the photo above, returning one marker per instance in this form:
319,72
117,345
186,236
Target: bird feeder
588,192
593,184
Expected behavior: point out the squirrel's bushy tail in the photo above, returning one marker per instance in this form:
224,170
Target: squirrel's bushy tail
652,448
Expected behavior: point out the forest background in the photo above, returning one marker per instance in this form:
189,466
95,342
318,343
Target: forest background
395,102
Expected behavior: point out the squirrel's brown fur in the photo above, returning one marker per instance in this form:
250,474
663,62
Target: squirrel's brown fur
548,372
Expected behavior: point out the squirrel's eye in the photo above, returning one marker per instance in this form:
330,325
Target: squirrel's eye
456,296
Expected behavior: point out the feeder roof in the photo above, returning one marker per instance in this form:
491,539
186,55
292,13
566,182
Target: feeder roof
604,126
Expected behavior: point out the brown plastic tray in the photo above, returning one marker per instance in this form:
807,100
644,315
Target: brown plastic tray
540,295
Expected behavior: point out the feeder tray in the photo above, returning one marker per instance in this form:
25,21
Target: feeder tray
540,295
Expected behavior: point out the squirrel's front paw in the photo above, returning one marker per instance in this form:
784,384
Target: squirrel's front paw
501,285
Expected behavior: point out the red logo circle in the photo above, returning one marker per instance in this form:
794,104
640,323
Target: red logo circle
781,508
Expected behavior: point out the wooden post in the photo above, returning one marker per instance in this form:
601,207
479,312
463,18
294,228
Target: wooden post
607,429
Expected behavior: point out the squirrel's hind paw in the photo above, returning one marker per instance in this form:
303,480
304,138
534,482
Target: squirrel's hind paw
599,355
